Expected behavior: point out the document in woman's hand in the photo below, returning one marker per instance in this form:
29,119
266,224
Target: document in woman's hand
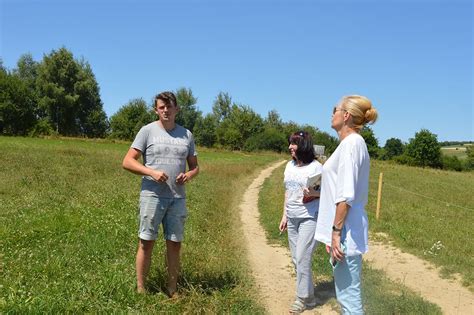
314,181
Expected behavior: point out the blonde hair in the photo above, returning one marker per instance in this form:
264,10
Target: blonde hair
361,110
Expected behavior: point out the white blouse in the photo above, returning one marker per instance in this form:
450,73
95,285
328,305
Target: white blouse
346,178
295,179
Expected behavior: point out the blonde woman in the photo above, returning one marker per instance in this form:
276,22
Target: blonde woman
342,222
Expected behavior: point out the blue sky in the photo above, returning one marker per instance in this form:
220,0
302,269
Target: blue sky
413,59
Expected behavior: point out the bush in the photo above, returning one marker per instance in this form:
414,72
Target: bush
42,128
405,160
269,139
452,163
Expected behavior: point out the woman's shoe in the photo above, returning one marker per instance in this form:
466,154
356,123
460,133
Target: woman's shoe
297,307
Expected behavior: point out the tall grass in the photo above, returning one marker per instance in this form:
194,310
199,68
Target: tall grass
68,232
381,296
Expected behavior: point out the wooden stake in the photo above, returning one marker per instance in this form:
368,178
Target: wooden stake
379,196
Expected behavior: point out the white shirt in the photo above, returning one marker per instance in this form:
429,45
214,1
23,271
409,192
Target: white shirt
295,181
346,178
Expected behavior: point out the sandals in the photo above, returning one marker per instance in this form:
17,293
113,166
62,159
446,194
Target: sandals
297,307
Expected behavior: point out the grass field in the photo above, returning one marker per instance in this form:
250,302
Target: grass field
429,213
381,296
68,232
459,151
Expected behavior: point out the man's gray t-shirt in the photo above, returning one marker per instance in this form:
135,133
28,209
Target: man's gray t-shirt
165,151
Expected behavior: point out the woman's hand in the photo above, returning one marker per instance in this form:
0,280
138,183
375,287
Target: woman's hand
336,251
283,223
310,192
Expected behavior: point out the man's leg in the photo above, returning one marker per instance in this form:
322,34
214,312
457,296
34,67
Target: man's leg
172,263
142,263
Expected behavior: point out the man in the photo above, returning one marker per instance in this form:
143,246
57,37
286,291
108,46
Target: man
165,147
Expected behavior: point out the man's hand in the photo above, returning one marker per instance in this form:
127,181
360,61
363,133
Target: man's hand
159,176
182,179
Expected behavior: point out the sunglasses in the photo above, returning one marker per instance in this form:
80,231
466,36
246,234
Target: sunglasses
336,109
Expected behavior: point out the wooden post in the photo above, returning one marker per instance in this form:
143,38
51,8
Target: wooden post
379,197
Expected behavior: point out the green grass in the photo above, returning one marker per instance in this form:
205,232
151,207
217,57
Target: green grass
381,296
68,232
425,207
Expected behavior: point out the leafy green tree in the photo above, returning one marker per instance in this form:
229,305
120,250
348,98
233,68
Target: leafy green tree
372,143
92,118
424,149
205,130
57,98
241,123
393,147
273,120
270,139
289,128
125,123
222,106
17,105
27,70
188,113
69,95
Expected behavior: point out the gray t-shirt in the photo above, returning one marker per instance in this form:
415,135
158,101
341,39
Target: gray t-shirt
166,151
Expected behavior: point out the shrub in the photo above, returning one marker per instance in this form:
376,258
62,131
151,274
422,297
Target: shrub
452,163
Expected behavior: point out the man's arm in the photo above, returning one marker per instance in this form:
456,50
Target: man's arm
193,170
131,163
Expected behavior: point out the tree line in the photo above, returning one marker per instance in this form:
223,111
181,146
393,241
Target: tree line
60,96
422,150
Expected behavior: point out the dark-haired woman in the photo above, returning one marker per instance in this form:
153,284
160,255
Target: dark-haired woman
300,212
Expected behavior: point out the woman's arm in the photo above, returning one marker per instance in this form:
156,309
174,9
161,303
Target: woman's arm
284,219
342,208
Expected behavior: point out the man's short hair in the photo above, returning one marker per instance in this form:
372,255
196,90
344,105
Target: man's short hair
167,97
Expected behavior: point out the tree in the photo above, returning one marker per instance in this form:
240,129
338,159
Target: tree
273,120
372,143
129,119
69,95
221,107
393,147
17,106
424,149
27,70
188,113
270,139
241,123
205,130
92,118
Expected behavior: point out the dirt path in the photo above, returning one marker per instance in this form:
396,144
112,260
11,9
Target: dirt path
272,268
422,277
271,265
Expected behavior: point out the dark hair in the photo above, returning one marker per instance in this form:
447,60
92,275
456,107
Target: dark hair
305,150
167,97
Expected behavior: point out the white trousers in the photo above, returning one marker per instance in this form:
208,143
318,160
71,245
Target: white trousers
302,244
